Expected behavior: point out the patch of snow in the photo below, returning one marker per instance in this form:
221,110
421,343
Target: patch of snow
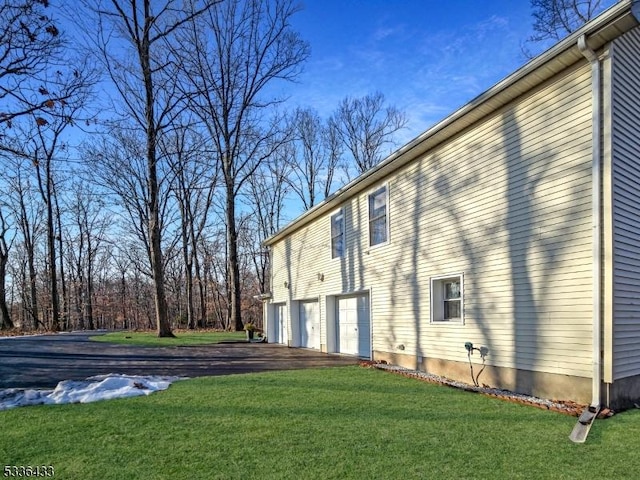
93,389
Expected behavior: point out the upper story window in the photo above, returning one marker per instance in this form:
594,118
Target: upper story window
337,234
378,216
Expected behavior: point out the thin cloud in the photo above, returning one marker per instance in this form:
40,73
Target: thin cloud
426,72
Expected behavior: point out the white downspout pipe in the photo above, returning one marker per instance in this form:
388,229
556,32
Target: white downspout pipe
596,176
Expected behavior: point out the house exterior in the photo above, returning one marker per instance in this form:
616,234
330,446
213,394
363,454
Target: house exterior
513,224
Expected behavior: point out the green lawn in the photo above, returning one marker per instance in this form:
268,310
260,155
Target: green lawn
339,423
182,339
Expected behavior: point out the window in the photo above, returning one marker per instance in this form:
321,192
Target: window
447,299
378,221
337,234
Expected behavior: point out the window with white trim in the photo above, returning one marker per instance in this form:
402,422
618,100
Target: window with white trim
447,298
378,216
337,234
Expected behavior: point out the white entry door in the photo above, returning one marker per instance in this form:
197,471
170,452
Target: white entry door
280,323
309,324
353,329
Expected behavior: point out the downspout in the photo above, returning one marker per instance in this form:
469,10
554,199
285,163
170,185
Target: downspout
596,176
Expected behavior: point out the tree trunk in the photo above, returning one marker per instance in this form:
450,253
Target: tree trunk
63,283
194,262
188,265
5,318
78,303
160,299
202,319
46,192
233,267
32,304
155,239
33,280
89,294
189,290
123,293
53,274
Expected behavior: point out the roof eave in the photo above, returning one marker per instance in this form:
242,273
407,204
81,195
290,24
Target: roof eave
616,21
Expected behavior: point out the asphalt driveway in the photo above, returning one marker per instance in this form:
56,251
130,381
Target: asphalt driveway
44,360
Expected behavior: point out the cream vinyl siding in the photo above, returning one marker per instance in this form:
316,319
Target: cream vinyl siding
301,258
506,203
626,205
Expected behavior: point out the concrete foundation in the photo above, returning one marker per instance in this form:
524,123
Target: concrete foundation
539,384
623,393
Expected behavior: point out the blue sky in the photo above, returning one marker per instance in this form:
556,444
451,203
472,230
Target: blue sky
428,57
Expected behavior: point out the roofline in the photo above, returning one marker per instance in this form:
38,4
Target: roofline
609,25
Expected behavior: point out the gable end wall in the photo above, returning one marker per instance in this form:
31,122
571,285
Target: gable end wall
506,203
626,204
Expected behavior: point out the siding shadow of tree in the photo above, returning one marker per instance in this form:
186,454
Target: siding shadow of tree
514,232
536,243
351,262
352,266
473,255
406,279
289,287
415,281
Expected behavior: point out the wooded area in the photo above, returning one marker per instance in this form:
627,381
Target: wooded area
145,157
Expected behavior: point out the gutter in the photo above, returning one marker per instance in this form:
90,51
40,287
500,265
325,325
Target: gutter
596,176
617,20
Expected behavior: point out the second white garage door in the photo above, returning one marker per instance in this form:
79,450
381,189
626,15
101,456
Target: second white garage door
309,325
353,326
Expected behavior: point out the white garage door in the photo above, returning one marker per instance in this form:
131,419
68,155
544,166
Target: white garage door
309,325
353,329
280,323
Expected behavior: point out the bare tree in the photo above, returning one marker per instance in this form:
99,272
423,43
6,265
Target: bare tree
215,276
30,44
238,48
117,165
251,286
89,223
146,82
365,126
43,91
268,188
29,215
38,138
313,155
334,149
42,150
7,236
193,186
555,19
5,242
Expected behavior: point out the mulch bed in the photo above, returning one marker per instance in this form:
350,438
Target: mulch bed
566,407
